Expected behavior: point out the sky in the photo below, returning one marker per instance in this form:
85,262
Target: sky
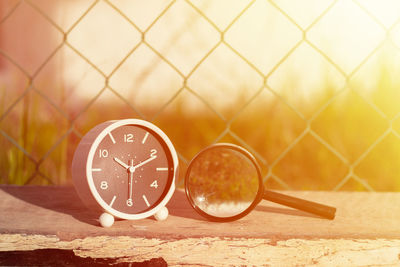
289,42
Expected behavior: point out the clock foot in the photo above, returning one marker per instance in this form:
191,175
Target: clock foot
106,219
162,214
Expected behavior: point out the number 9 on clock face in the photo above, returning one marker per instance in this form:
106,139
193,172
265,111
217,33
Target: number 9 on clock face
130,168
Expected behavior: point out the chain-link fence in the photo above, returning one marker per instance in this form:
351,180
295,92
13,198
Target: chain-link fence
207,72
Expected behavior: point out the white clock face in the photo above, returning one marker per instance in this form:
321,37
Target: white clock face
130,169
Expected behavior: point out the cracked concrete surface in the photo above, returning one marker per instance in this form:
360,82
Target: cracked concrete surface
208,251
366,231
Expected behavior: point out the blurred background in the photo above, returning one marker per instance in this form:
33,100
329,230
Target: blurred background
311,88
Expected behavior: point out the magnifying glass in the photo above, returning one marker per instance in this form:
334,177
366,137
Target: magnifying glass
224,183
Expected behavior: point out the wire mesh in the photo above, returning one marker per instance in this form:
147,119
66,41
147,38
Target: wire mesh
24,161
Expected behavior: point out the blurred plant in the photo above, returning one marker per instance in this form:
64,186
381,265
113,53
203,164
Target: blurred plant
346,135
351,141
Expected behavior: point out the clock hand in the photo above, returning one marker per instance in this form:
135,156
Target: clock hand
130,182
121,163
143,162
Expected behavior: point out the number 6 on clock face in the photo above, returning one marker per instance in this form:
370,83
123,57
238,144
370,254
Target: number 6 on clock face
126,168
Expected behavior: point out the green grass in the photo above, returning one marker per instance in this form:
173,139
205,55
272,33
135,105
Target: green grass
343,139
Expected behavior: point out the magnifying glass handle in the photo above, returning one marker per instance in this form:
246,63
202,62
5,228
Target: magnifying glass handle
301,204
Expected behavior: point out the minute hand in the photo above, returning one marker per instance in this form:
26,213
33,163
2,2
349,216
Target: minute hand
144,162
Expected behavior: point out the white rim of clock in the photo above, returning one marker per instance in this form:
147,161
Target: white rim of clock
93,148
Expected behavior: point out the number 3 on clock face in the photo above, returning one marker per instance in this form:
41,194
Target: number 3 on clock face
130,168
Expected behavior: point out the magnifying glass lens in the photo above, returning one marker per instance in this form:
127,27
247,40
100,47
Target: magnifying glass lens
222,182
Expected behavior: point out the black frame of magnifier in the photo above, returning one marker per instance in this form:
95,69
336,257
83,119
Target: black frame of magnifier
257,199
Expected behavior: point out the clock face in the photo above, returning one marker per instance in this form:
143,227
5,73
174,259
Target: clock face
130,169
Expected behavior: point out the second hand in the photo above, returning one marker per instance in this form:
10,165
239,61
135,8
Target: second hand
130,182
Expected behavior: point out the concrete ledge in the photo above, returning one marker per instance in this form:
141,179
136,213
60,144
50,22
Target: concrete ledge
366,231
209,251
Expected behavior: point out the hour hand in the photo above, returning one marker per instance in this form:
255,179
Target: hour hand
121,163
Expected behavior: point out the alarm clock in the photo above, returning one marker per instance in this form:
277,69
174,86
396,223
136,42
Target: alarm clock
125,169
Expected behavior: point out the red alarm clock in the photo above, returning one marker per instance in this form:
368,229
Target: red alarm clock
127,169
